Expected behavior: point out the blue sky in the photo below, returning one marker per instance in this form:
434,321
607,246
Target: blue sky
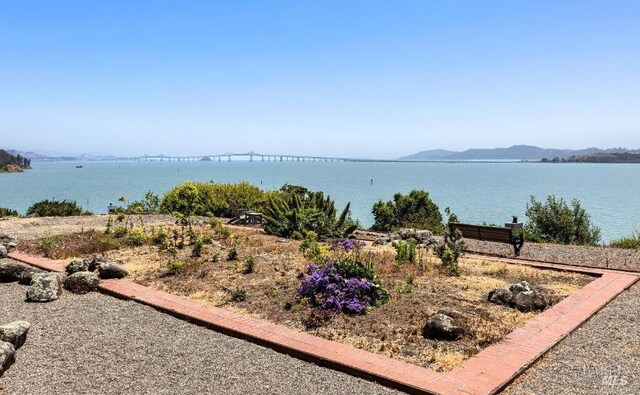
361,78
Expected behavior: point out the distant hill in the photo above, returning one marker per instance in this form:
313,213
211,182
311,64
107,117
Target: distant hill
13,163
516,152
607,157
43,158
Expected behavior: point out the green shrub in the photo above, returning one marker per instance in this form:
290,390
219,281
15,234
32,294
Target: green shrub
405,252
554,221
450,250
233,254
296,210
7,212
249,264
236,295
160,236
48,245
176,267
196,248
120,232
631,242
415,210
531,237
137,237
206,199
55,208
311,249
407,287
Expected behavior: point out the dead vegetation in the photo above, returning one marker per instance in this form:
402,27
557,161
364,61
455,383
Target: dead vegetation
246,271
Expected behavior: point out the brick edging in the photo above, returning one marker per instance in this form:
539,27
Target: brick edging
485,373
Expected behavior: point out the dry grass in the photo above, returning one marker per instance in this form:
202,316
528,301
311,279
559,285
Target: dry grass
394,329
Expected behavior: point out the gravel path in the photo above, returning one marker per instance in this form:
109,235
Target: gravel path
603,257
96,344
602,357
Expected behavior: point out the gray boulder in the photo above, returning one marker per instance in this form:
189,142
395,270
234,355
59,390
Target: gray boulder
15,333
4,239
27,276
521,286
441,327
7,356
108,270
425,237
94,262
44,287
11,270
3,251
381,241
77,265
529,301
11,246
501,296
81,282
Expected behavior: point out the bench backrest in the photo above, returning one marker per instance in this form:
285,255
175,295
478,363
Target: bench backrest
485,233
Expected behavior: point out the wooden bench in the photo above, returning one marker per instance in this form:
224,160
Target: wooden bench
246,217
515,237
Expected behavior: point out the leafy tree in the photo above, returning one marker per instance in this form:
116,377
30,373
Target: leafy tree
555,221
415,210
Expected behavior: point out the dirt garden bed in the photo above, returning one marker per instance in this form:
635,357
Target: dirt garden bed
264,278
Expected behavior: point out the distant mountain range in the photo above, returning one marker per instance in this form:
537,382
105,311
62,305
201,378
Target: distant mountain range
516,152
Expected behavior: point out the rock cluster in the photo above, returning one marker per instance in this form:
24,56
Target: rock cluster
106,268
520,295
46,286
422,238
11,271
7,244
12,337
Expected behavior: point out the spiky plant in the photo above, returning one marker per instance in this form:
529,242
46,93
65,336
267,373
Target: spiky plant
297,210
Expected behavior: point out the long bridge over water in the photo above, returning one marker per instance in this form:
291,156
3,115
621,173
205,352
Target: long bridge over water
250,156
258,157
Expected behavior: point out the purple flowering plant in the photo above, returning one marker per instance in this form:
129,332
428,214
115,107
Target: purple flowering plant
333,287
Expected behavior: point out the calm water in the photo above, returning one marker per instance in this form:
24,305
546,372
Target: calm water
477,192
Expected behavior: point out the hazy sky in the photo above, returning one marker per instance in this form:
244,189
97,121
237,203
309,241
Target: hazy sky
362,78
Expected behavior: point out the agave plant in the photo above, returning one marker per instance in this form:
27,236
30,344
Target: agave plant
296,210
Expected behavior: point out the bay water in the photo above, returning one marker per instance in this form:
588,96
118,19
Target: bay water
476,192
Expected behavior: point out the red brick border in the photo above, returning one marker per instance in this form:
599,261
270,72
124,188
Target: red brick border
485,373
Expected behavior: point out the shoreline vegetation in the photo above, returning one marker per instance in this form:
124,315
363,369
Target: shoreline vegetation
13,163
293,210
